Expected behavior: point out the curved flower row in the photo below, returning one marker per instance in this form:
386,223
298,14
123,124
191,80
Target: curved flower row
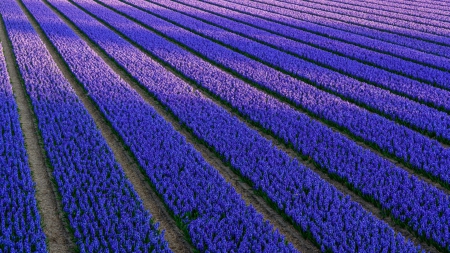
20,229
407,145
419,205
336,29
334,221
103,210
300,9
217,218
418,116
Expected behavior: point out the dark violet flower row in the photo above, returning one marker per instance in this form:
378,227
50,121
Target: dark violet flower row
338,29
422,207
334,221
300,10
413,89
20,228
103,210
411,147
216,217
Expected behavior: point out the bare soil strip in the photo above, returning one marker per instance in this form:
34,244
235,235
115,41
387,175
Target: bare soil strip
150,199
53,222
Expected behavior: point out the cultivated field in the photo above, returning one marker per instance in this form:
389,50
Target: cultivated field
224,126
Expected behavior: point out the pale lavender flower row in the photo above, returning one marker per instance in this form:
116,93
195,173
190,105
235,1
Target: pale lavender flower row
20,228
397,192
387,80
102,208
337,29
422,6
314,205
411,147
426,26
397,59
377,9
216,216
430,95
299,9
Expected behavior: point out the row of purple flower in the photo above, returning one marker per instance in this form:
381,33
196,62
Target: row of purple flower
391,187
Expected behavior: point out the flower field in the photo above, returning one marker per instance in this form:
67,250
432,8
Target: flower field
224,126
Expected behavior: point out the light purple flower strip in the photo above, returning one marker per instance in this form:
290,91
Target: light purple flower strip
412,89
300,11
335,29
376,67
432,7
419,14
343,13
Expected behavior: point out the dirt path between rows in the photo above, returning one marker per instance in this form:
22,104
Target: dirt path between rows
58,237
